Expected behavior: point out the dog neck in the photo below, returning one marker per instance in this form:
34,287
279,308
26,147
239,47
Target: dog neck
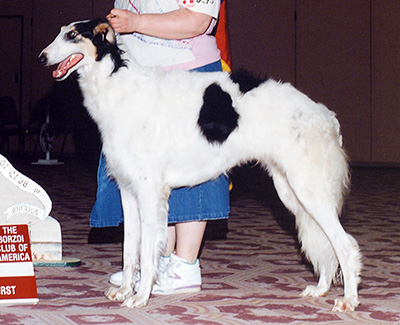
114,52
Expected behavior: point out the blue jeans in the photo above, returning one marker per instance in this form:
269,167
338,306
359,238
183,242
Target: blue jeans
207,201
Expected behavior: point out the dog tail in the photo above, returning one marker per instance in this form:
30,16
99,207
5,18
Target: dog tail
339,162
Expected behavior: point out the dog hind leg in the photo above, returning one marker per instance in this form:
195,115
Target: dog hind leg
348,255
320,191
314,242
351,278
319,251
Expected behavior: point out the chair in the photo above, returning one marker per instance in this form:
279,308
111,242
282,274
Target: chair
9,123
50,109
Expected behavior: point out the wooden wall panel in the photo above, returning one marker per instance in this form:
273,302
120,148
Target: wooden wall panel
385,81
21,8
102,7
333,65
262,35
342,53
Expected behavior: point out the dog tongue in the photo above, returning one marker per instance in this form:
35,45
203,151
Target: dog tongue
65,65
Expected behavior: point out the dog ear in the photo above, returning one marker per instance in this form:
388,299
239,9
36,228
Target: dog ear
106,31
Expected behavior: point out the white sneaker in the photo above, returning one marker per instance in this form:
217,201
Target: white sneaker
179,276
116,278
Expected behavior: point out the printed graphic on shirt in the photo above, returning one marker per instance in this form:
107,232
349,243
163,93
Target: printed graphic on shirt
208,7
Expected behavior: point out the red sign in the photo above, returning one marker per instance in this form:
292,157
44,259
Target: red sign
17,278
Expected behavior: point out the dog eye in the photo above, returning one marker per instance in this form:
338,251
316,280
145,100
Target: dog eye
72,34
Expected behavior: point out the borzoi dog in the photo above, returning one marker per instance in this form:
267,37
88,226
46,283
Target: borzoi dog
162,130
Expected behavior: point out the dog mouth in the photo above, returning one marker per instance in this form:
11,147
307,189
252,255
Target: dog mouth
66,65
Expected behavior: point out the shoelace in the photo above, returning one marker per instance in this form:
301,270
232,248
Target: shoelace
167,274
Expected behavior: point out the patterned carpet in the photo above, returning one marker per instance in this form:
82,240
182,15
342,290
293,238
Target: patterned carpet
253,276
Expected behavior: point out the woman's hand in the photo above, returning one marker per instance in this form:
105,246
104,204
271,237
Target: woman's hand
124,21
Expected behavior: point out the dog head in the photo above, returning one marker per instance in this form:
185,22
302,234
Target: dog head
81,43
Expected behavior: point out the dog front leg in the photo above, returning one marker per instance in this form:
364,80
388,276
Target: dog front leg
131,247
153,206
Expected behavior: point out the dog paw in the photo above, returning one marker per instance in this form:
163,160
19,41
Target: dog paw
313,291
134,301
345,304
118,294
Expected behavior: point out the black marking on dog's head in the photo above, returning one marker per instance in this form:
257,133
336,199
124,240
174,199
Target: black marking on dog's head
246,80
100,32
218,117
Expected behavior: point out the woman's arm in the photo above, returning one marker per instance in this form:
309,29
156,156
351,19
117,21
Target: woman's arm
178,24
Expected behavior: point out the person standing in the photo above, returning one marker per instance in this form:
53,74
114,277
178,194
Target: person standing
171,34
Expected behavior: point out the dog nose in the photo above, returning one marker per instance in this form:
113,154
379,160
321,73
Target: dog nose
42,59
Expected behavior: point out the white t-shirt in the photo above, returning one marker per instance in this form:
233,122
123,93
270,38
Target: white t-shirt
185,54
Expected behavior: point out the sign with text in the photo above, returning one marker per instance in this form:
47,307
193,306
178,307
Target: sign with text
17,278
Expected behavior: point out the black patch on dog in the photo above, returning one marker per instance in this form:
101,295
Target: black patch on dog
99,40
246,80
218,117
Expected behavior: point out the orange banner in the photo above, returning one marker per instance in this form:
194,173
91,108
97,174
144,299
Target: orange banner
222,36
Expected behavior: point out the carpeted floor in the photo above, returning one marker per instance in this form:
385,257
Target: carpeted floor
252,274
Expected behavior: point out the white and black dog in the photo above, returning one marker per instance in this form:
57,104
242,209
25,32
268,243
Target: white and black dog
162,130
